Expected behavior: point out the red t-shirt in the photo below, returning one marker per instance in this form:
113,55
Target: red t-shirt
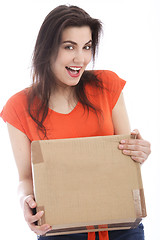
77,123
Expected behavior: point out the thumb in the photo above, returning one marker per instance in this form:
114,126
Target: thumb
30,201
136,133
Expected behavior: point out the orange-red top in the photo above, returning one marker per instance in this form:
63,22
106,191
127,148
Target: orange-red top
78,123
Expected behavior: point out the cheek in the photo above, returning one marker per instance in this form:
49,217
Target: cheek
88,58
64,57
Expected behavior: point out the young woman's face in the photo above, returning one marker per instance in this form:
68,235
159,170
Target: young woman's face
74,54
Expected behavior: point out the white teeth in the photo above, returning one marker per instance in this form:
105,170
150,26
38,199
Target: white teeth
74,68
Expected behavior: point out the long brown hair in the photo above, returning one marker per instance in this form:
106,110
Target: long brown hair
47,44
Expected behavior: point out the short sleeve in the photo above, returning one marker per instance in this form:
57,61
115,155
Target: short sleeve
113,85
13,111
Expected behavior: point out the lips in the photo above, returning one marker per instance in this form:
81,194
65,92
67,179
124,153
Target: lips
74,71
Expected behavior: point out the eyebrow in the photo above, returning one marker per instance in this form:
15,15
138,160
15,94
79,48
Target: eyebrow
74,43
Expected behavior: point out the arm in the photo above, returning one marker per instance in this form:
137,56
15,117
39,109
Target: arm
22,153
138,149
120,118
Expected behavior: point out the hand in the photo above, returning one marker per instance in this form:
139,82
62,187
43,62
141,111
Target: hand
28,205
138,148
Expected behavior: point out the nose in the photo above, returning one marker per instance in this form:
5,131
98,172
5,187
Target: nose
79,57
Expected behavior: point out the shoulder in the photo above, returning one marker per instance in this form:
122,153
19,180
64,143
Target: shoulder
112,85
110,79
18,101
15,109
19,97
106,75
16,105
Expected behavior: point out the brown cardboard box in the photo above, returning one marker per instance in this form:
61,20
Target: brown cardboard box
86,184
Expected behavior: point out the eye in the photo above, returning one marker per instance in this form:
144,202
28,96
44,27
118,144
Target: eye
88,47
69,47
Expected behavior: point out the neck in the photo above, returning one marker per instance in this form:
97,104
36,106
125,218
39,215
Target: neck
67,93
63,99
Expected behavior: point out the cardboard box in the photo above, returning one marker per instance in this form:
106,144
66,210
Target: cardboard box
86,184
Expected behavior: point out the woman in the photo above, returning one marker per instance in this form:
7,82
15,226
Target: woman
66,101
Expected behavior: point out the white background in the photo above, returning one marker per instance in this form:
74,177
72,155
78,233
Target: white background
130,46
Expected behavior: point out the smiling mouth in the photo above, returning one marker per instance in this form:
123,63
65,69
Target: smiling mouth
74,70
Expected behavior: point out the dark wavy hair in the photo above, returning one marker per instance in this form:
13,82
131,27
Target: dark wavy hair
47,44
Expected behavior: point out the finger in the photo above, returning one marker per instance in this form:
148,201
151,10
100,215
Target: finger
30,201
137,154
136,133
134,148
34,218
139,142
40,230
138,159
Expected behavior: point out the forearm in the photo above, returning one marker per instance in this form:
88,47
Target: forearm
25,188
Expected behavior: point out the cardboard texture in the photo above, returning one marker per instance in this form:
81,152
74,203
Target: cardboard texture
86,184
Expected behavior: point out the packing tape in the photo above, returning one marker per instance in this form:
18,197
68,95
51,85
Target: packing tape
139,202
